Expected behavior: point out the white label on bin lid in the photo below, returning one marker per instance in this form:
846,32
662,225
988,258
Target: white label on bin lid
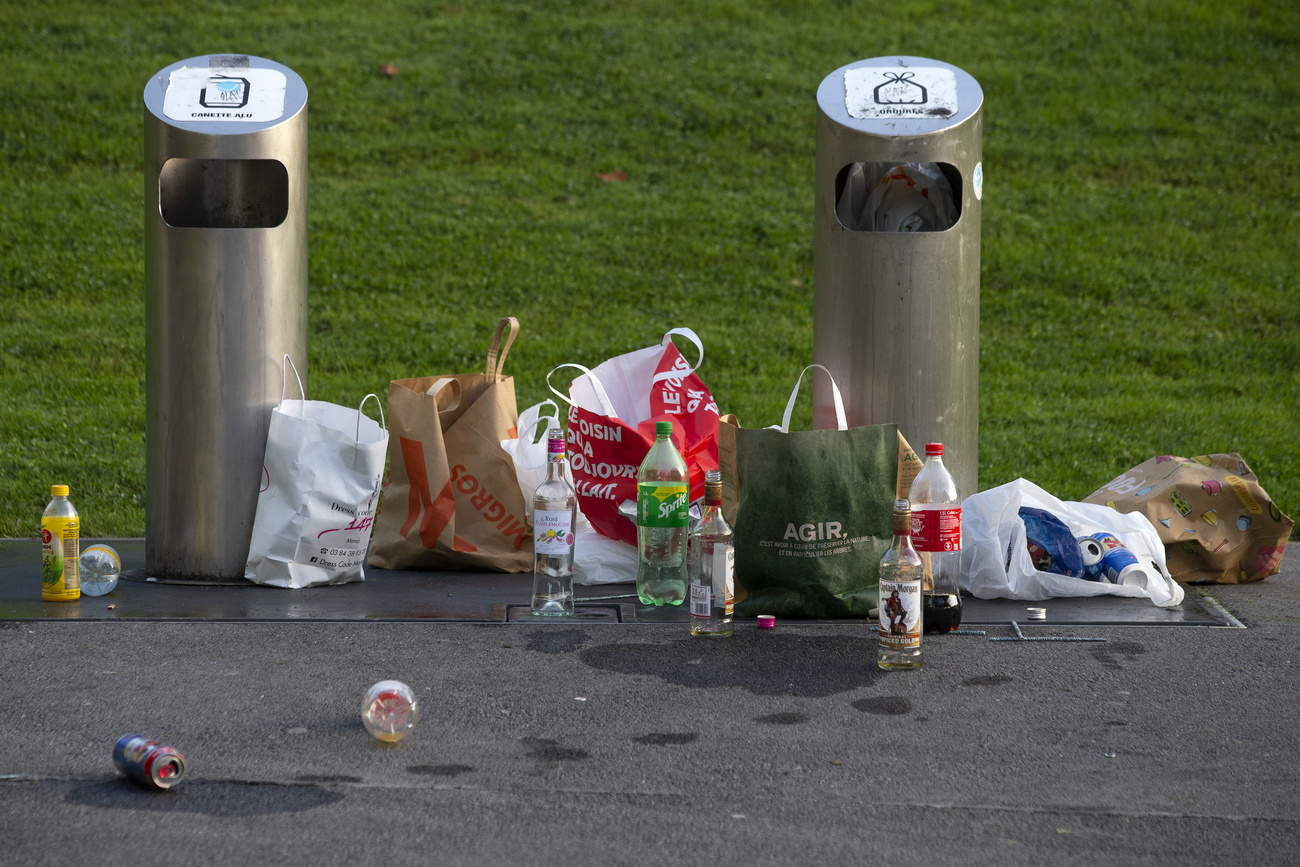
239,95
900,92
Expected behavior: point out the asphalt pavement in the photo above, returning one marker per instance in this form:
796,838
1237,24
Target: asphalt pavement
632,743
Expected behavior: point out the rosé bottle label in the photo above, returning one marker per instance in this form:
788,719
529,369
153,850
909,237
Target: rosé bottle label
552,532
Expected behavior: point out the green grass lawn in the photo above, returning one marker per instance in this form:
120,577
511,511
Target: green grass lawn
1140,237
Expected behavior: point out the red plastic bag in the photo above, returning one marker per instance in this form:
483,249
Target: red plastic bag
612,415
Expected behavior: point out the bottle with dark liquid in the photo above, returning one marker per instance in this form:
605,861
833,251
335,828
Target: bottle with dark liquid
941,612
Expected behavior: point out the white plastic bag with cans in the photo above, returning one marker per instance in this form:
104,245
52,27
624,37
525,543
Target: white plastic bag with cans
320,485
996,563
597,559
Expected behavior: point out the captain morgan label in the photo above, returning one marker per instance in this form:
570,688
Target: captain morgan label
900,614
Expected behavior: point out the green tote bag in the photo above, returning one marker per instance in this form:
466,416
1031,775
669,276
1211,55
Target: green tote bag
814,512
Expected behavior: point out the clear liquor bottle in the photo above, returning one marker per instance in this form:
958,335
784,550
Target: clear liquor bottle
555,509
898,645
712,565
663,500
936,535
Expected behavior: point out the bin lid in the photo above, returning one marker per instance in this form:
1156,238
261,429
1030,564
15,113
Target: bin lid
899,96
225,94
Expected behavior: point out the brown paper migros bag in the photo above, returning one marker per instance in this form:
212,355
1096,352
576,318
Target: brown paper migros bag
452,500
1218,525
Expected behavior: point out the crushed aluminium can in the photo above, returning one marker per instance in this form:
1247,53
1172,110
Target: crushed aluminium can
148,762
1106,558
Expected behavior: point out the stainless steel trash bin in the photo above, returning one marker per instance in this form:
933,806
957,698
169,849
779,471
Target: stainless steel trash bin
896,313
225,298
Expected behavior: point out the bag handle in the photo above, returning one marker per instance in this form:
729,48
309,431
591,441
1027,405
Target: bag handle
285,364
382,423
840,421
432,391
532,434
496,357
606,406
668,338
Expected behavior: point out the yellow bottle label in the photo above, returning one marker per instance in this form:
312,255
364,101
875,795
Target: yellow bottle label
60,549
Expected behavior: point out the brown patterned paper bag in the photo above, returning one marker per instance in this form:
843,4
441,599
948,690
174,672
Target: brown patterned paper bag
452,500
1218,525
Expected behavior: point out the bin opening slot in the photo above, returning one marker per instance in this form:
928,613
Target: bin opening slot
223,194
898,197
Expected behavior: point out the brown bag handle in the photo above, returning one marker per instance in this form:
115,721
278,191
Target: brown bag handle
438,385
496,357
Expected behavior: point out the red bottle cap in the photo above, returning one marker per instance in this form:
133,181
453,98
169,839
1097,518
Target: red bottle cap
766,621
934,448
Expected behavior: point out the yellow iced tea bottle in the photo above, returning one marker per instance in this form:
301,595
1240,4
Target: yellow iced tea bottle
60,548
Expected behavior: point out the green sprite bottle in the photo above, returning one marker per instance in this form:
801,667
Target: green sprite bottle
663,497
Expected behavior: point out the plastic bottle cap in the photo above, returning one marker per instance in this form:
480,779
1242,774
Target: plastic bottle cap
58,490
766,621
934,448
663,428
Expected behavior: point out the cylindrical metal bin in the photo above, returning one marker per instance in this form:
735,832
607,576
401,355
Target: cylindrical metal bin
225,179
896,313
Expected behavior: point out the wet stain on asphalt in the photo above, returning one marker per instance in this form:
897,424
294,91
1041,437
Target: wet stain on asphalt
546,750
667,739
551,640
884,705
230,798
328,778
1108,653
805,666
987,680
787,718
439,770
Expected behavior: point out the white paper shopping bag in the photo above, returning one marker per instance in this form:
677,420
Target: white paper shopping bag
320,485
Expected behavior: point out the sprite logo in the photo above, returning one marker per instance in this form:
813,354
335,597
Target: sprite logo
662,504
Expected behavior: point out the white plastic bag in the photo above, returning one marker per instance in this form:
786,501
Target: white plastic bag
320,482
597,559
529,454
992,529
911,197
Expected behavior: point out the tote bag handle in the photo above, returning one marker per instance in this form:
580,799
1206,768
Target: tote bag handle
496,357
699,346
606,406
382,422
841,421
285,364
